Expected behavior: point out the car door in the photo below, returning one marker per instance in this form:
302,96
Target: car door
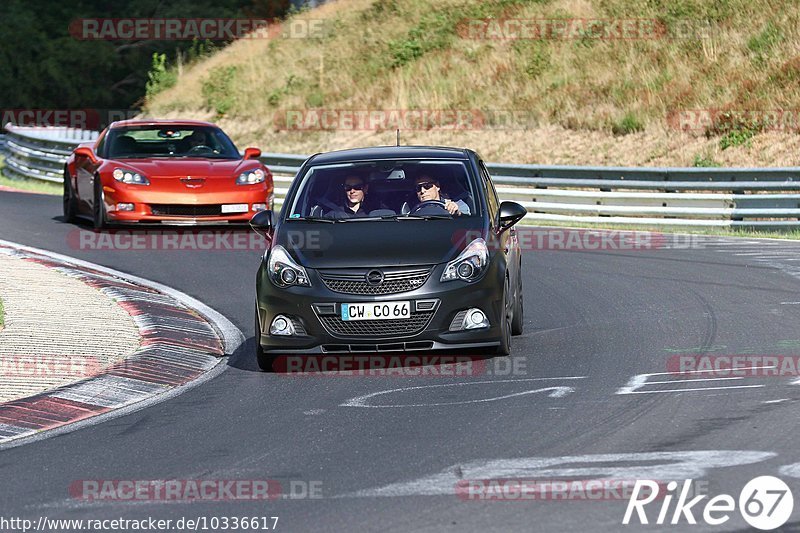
84,174
507,240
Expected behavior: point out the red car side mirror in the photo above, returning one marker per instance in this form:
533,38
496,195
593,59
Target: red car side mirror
85,151
252,153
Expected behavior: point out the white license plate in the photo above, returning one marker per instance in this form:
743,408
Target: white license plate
235,208
376,311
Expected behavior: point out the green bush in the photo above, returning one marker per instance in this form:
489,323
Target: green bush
159,77
737,137
629,124
433,32
436,30
703,161
217,89
761,44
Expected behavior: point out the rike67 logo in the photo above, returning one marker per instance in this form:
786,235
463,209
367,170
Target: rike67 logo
765,503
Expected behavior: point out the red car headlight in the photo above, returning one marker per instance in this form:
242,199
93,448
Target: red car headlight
129,176
251,177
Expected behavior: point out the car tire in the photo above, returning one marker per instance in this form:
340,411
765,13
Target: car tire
519,307
98,206
69,200
505,321
264,359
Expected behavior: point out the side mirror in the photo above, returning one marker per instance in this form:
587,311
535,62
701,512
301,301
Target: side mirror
262,223
510,214
85,151
252,153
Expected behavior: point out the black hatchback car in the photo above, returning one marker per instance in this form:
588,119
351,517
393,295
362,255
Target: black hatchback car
389,249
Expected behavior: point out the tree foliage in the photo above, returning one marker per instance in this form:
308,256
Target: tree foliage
42,66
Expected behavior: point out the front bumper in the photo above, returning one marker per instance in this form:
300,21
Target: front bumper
316,308
195,208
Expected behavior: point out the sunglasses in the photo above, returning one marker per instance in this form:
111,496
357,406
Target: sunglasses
357,186
424,185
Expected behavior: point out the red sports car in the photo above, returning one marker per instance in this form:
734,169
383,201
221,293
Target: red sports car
168,172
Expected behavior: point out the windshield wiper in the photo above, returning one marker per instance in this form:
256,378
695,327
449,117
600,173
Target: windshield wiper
366,219
423,217
313,219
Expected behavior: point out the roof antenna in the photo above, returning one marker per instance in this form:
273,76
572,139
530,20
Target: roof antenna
398,136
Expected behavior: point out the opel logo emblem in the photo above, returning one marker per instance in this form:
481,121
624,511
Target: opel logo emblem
374,277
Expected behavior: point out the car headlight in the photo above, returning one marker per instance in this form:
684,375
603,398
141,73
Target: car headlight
470,264
125,175
251,177
283,271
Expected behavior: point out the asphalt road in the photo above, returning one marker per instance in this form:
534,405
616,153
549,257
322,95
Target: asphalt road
594,320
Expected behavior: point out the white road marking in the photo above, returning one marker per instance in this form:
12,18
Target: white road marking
692,390
640,380
674,465
792,470
555,392
690,380
776,401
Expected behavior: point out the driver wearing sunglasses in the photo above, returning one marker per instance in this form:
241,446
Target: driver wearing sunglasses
428,189
355,192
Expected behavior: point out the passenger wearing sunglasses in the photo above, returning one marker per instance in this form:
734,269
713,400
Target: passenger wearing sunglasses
428,189
355,192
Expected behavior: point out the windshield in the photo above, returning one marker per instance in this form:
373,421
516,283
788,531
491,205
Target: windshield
380,190
136,142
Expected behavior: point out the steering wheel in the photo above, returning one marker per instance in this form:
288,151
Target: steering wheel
430,204
200,147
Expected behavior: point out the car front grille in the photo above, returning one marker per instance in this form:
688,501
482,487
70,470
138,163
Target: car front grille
377,328
349,281
182,210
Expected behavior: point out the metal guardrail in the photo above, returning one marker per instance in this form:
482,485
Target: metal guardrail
40,153
766,198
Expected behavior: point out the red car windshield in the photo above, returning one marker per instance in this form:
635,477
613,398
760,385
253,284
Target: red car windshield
139,142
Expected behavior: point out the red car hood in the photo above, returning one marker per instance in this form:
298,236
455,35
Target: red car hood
183,167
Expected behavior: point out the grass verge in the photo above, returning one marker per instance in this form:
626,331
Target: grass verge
718,81
2,314
40,187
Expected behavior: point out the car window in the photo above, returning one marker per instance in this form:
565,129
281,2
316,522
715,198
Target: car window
170,141
491,194
384,188
101,143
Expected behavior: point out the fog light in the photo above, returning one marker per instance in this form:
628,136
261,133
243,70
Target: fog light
259,207
477,317
281,325
472,318
124,207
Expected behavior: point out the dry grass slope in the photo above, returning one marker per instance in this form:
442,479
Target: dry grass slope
592,101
